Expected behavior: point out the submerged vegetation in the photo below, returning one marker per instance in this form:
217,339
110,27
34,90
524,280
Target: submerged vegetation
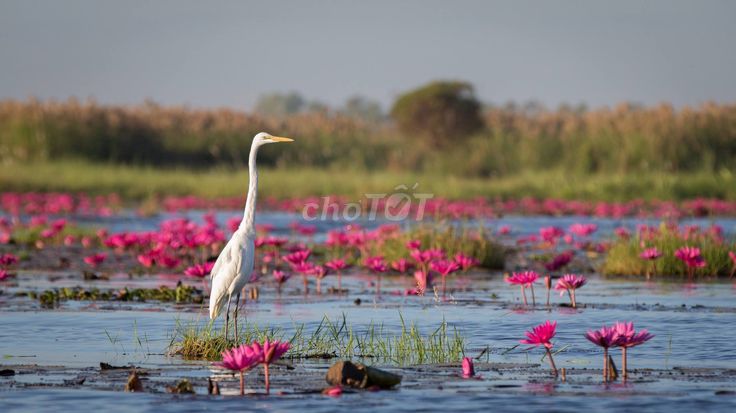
182,294
330,339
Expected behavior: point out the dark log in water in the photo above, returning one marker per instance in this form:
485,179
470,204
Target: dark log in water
360,376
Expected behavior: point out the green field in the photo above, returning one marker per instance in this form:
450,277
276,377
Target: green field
137,183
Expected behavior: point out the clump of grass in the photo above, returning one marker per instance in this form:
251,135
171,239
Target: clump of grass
623,257
472,241
329,340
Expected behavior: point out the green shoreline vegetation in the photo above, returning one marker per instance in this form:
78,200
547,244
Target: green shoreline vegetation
438,135
140,183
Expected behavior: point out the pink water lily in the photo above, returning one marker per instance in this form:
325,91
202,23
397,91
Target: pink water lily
377,266
627,337
559,261
524,280
542,335
691,256
692,259
319,272
8,260
267,353
200,270
414,244
606,337
298,256
570,283
465,262
337,265
468,368
95,259
239,359
423,280
444,268
4,274
651,254
402,265
281,277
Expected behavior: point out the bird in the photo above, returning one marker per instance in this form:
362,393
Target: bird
234,265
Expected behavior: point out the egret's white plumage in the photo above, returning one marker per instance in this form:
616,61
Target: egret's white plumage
234,266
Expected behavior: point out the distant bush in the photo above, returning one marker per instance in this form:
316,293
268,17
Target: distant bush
441,111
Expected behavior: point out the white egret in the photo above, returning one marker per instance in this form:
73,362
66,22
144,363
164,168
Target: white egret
234,266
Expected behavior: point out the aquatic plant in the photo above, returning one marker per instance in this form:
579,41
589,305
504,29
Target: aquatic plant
200,270
651,254
465,262
444,268
732,256
402,265
319,272
559,261
691,257
377,266
281,277
548,286
570,283
542,335
605,337
468,368
239,359
181,294
330,339
623,257
525,280
95,259
337,265
265,354
627,337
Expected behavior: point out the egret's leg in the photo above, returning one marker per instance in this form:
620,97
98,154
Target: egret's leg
237,304
227,316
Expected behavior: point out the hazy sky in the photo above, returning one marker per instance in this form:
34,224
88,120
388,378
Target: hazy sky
227,53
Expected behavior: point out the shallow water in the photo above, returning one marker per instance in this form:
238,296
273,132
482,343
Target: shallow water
691,358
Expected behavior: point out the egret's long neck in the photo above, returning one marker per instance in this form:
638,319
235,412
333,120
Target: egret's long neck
249,215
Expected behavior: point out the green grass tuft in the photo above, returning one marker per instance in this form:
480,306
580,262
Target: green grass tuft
330,339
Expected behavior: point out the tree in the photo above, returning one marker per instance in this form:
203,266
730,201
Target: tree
363,108
277,104
440,111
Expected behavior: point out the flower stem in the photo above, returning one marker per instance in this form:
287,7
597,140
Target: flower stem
534,301
623,363
572,298
551,362
605,364
242,383
523,294
268,382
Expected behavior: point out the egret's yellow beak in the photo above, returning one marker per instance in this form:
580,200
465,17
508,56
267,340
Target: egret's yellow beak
280,139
